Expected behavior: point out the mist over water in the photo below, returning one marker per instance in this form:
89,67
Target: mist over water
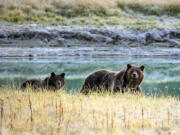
162,73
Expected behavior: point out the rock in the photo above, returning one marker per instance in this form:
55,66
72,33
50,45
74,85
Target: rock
61,41
2,34
151,36
101,38
87,36
173,42
174,34
156,35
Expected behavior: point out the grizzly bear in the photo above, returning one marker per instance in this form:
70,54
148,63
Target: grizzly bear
54,82
125,80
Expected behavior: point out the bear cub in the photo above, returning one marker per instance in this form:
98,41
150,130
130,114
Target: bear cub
125,80
54,82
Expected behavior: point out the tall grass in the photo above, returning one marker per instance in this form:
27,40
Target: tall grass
152,7
46,10
53,113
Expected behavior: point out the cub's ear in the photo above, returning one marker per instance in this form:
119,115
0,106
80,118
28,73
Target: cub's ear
142,67
129,66
63,74
52,74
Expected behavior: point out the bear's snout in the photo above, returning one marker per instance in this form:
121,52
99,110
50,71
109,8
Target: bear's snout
134,75
59,83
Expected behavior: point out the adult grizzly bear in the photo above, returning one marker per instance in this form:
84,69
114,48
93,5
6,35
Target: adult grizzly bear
54,82
128,79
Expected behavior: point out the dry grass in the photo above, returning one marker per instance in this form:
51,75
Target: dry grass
53,113
59,10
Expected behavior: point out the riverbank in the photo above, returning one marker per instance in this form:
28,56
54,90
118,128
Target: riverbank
62,113
59,36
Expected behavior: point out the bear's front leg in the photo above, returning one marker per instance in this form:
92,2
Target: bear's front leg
123,90
138,89
116,89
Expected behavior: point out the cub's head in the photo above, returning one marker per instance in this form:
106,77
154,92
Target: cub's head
135,74
56,81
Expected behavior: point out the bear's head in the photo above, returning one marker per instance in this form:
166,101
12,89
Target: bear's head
56,81
134,74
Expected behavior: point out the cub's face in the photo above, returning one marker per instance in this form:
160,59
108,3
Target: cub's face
57,80
135,74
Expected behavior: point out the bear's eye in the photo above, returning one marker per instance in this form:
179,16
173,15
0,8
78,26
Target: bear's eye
138,72
53,79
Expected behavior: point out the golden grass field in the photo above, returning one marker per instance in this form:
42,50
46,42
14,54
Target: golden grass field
126,13
61,113
90,4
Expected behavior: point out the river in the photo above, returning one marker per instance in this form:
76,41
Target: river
162,73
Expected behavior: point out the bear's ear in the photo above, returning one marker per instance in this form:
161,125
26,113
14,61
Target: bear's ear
142,67
52,74
129,66
63,74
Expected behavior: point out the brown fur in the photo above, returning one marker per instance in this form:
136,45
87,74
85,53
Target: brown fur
124,80
54,82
